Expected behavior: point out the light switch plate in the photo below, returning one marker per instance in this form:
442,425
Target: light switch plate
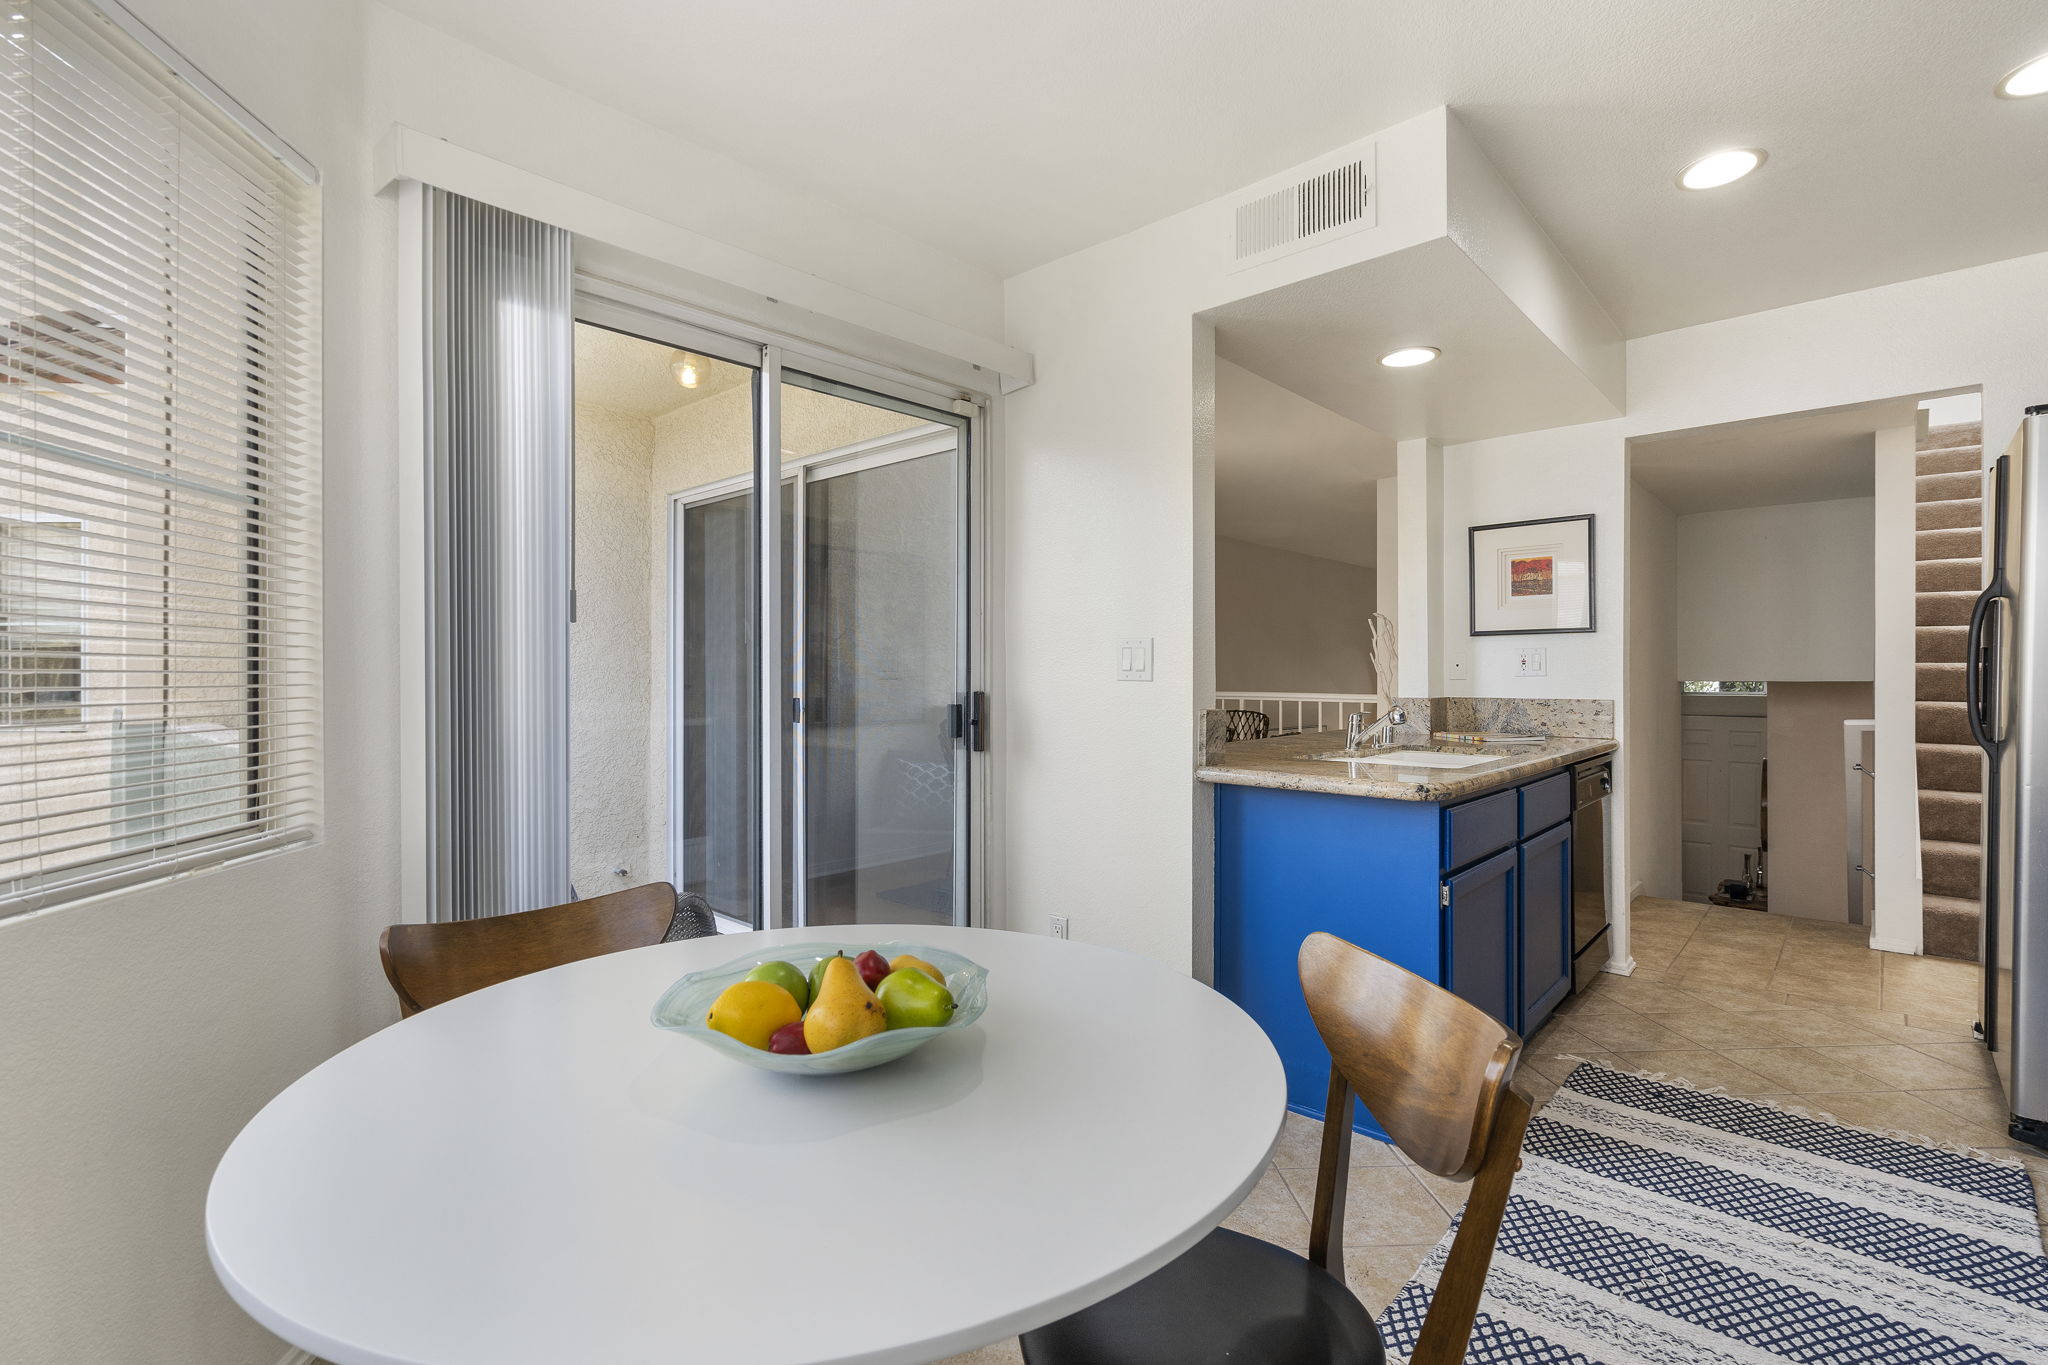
1134,661
1530,662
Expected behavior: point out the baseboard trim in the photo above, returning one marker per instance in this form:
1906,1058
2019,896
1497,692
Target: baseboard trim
1625,967
1910,947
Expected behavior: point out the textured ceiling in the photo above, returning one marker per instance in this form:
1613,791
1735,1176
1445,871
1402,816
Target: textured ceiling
632,376
1010,134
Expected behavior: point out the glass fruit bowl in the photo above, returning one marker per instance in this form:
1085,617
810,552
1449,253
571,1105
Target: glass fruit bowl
682,1007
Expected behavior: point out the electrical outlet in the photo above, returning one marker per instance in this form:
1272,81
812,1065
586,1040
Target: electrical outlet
1059,926
1531,663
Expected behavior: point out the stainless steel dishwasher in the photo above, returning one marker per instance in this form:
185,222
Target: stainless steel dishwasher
1592,784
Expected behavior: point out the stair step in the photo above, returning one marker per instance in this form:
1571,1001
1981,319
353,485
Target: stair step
1941,722
1950,575
1948,926
1954,460
1957,817
1953,436
1962,544
1943,608
1949,767
1955,514
1947,485
1950,869
1938,682
1940,644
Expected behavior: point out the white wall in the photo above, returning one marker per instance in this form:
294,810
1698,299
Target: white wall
611,655
138,1034
1288,622
1777,593
423,78
1107,511
1968,328
1651,741
1809,831
1896,883
1565,471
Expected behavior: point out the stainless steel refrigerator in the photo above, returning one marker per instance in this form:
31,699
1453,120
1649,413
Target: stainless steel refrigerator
2006,668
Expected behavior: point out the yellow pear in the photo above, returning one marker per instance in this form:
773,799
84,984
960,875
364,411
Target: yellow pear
844,1010
751,1011
898,963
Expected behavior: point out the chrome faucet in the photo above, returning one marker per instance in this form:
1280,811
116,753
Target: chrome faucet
1358,735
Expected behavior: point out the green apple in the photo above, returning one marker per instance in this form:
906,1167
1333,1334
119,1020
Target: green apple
818,974
910,999
787,977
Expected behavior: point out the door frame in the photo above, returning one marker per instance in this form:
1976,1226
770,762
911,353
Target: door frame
637,312
875,453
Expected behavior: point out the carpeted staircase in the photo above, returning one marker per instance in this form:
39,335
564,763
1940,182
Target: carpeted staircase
1950,572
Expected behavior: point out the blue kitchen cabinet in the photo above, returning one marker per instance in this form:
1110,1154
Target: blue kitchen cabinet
1474,895
1479,933
1544,869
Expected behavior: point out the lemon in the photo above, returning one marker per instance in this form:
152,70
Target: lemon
751,1011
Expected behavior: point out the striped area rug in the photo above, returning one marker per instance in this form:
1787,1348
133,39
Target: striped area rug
1654,1224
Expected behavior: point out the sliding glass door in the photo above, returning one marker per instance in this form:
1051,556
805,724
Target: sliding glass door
880,751
873,719
772,683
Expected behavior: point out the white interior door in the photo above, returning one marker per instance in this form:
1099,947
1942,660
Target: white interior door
1721,799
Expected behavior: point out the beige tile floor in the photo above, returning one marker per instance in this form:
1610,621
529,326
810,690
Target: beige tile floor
1793,1011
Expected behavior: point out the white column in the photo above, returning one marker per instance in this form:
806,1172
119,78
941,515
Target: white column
1419,486
1895,926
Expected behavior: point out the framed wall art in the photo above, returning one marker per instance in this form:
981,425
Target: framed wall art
1532,577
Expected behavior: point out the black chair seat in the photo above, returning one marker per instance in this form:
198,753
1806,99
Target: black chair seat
1232,1300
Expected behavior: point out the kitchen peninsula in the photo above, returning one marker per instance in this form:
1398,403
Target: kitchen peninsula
1453,860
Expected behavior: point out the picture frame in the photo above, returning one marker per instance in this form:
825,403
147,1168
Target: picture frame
1531,577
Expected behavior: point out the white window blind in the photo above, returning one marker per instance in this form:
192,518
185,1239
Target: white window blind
159,426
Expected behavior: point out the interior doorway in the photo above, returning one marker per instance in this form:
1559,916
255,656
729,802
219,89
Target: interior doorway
1723,790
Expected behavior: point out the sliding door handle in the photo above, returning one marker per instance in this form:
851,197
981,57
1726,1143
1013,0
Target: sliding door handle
977,722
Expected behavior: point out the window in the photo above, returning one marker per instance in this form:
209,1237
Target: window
42,626
158,469
1751,688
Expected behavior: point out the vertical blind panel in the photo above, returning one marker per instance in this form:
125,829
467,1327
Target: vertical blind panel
501,322
159,480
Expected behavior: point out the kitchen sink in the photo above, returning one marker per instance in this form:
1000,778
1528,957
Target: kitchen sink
1410,758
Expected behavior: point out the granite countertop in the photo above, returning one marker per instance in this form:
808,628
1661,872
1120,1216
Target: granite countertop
1284,763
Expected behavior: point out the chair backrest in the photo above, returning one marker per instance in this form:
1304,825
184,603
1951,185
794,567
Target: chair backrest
1246,725
428,964
1433,1070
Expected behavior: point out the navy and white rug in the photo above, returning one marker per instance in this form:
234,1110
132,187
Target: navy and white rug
1655,1224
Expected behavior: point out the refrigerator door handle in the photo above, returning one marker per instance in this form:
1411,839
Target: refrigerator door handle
1980,675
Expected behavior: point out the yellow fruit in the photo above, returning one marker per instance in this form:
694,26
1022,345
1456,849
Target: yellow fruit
751,1011
897,964
845,1010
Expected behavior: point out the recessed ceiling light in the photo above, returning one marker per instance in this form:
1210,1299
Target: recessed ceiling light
1408,356
2026,80
1716,169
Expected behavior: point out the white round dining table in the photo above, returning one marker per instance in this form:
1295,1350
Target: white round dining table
533,1174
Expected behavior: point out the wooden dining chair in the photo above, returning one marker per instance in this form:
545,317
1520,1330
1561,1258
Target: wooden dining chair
428,964
1434,1072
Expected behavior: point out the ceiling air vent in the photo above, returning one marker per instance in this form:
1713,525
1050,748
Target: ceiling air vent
1312,208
